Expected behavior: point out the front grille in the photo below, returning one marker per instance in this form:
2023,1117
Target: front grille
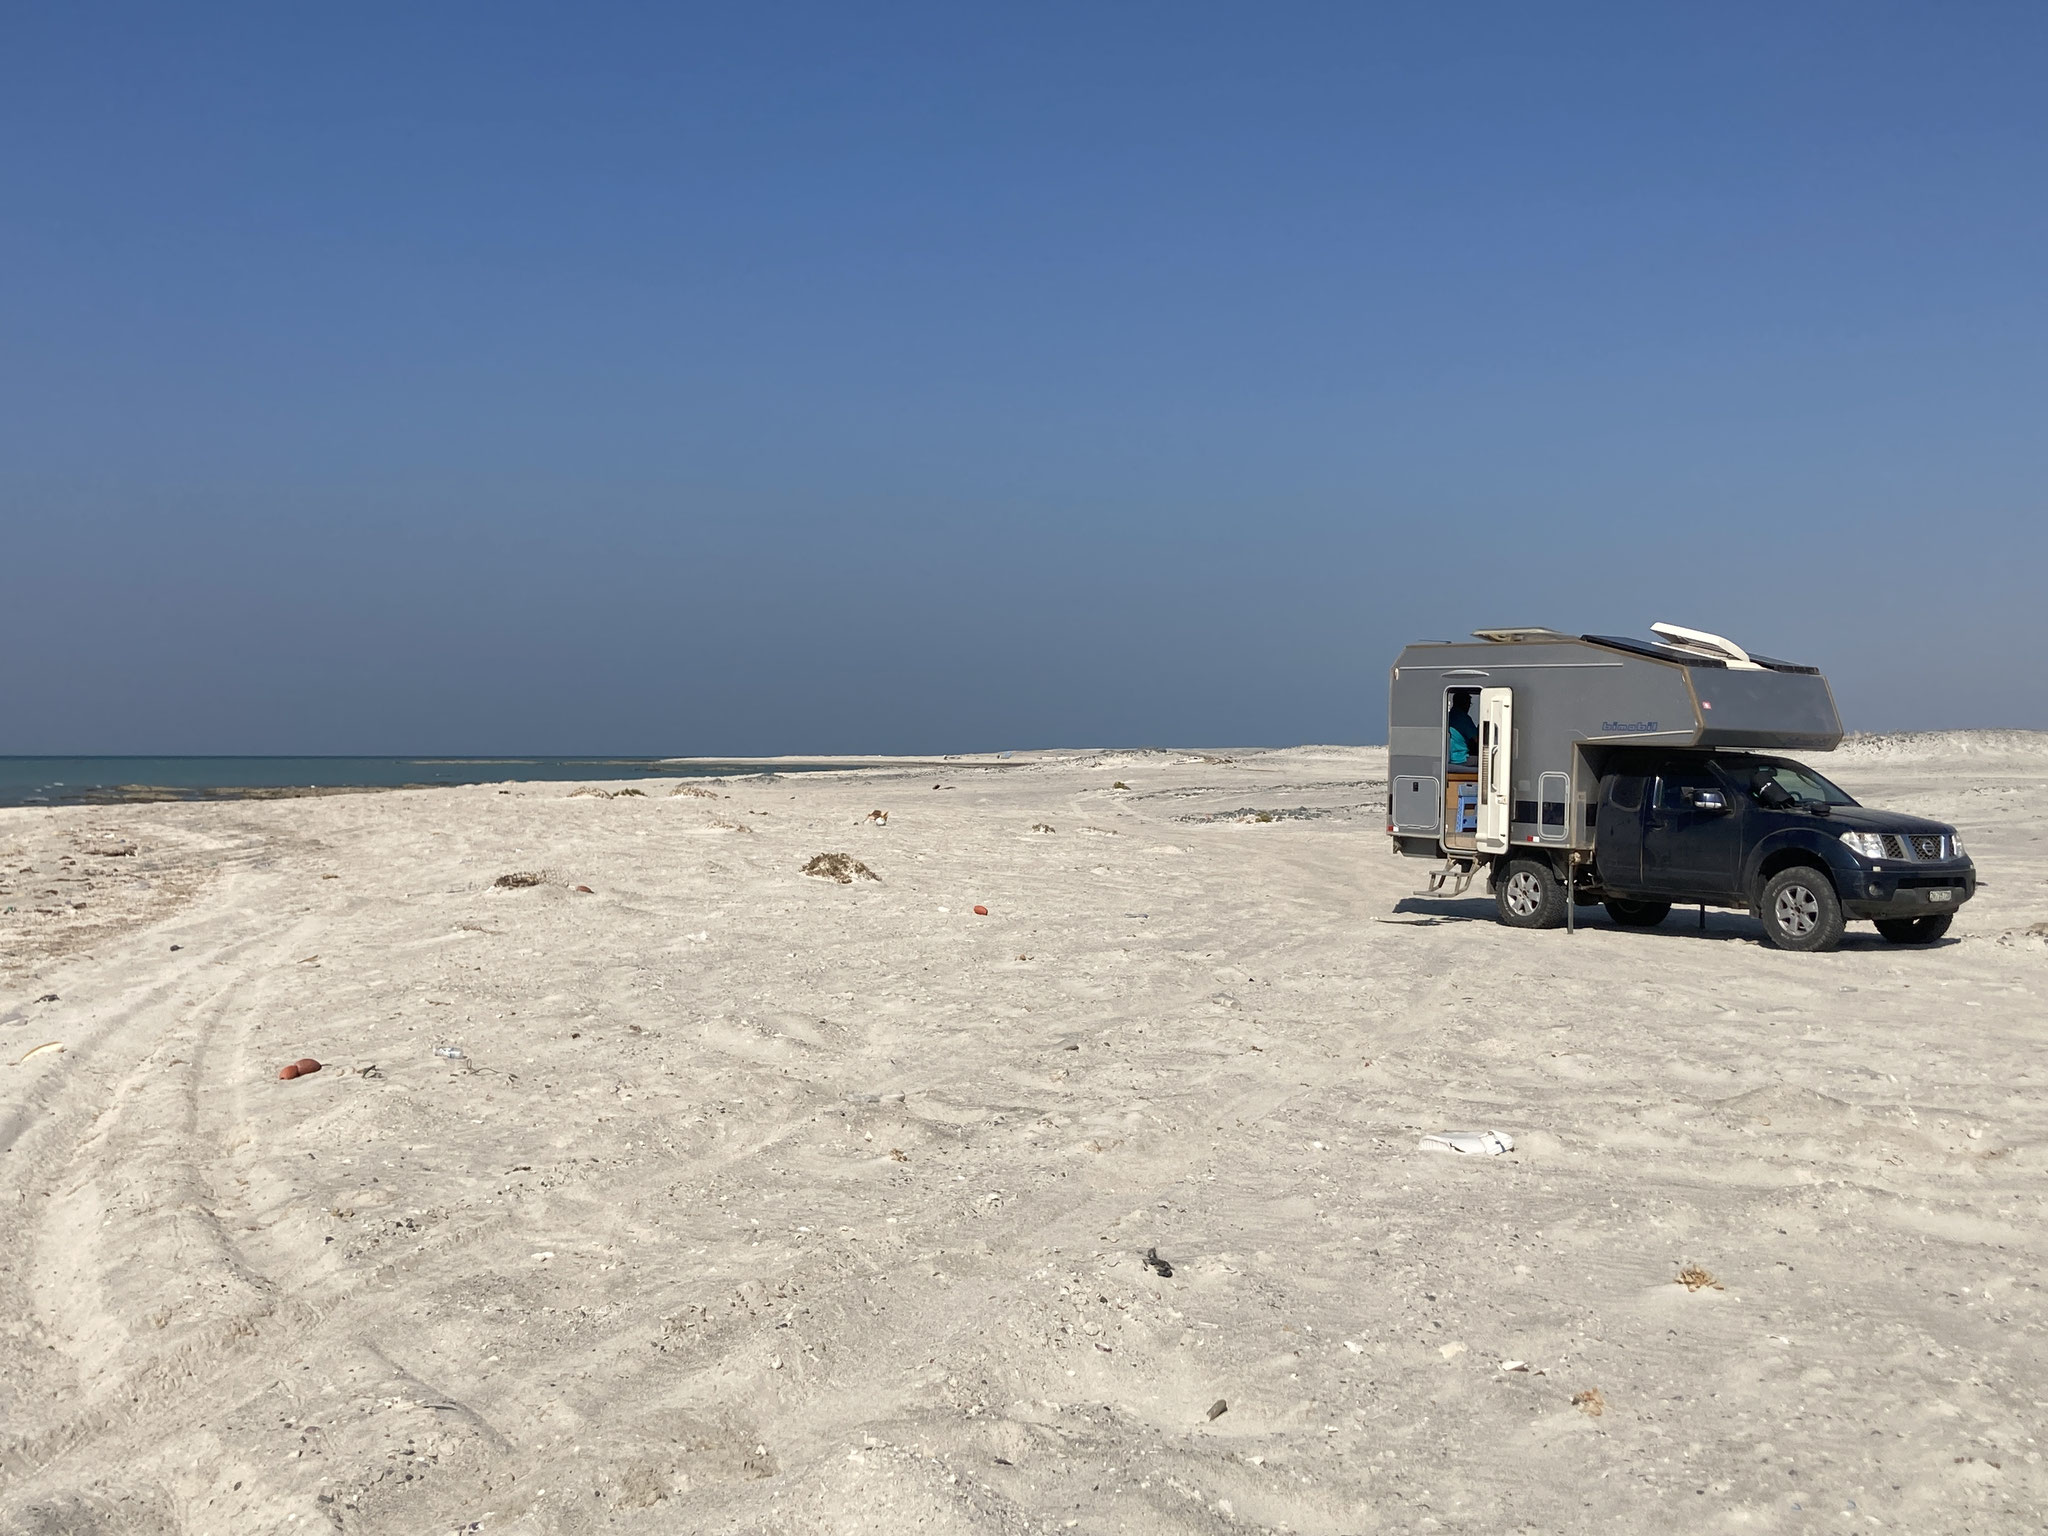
1893,847
1926,845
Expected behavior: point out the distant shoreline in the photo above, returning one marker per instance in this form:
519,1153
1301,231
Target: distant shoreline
49,779
53,781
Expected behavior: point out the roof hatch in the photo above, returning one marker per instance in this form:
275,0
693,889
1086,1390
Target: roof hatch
1715,647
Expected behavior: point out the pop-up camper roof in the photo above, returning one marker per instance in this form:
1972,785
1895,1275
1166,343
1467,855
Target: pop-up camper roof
1688,647
1683,688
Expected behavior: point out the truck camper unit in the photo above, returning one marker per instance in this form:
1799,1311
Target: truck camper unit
1638,774
1551,710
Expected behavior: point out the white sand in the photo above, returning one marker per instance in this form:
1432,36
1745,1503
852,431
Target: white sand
649,1259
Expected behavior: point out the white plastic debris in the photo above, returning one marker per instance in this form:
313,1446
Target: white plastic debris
1477,1143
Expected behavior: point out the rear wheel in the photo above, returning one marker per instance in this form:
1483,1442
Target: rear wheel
1528,894
1801,911
1915,930
1637,914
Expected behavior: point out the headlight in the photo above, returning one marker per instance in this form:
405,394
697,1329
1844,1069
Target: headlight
1869,844
1955,847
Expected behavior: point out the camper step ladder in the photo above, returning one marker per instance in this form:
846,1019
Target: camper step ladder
1454,879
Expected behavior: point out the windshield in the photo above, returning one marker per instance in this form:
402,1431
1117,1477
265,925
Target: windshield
1804,785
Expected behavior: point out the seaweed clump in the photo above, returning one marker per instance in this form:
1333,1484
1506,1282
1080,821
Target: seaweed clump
843,867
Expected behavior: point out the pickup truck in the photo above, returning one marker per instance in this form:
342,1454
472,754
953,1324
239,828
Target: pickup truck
1758,833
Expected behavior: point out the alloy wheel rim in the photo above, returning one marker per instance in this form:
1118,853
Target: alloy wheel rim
1524,896
1798,911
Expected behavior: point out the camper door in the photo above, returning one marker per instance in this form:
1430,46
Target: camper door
1496,770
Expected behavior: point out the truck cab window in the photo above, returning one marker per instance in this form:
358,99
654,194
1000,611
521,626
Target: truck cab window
1625,791
1679,788
1791,784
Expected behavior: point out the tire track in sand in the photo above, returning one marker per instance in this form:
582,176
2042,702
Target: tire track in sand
130,1283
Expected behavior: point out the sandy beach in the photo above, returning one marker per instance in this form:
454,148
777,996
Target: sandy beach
759,1201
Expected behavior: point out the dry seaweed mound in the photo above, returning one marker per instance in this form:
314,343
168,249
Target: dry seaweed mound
590,793
691,789
519,880
843,867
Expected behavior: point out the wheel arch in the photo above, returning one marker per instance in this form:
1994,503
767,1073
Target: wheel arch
1559,864
1790,849
1790,858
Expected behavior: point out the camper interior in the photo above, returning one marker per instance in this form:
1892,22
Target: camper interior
1461,768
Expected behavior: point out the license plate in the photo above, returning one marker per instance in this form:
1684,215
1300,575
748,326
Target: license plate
1941,895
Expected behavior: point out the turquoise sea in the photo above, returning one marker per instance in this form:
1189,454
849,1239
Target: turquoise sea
116,780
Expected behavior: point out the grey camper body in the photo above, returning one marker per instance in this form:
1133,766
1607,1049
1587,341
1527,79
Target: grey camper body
1550,710
1640,775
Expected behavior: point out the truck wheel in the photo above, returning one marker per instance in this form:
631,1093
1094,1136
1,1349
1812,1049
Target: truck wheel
1915,930
1637,914
1801,911
1528,894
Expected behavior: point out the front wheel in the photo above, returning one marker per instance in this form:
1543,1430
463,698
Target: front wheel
1801,911
1528,894
1637,914
1915,930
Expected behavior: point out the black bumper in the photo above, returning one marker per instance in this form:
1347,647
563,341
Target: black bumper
1921,890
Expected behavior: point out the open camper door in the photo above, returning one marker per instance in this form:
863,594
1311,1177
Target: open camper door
1496,770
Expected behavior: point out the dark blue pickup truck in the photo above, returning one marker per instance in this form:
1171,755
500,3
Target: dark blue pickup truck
1740,829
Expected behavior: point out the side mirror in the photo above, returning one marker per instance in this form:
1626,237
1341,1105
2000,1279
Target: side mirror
1710,800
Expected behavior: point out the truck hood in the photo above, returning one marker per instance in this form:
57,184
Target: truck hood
1861,818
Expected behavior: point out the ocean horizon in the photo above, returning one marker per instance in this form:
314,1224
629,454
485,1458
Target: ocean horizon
116,780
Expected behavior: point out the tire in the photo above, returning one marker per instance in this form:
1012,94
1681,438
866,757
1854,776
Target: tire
1637,914
1915,930
1528,894
1801,911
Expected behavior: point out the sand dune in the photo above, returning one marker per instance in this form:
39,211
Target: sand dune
765,1202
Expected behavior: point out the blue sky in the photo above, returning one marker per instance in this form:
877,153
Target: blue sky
914,378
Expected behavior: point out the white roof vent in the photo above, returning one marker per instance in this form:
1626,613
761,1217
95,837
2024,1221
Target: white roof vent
1714,647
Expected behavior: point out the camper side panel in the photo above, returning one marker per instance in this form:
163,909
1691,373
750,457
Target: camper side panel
1545,794
1563,693
1641,702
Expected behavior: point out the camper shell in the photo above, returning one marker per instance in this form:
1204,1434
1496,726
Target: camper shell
1639,774
1552,708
